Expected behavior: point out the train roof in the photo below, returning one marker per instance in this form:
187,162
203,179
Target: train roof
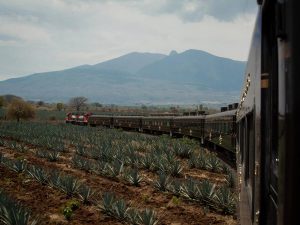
130,117
222,114
99,116
157,117
189,117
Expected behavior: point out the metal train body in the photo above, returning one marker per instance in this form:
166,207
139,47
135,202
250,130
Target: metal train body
77,118
216,130
268,159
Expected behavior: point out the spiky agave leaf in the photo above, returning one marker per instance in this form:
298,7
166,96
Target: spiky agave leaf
76,161
225,200
147,162
19,165
86,194
148,217
115,168
13,145
41,153
176,187
100,167
132,158
192,161
86,165
12,213
94,153
54,179
15,215
39,174
120,209
202,161
170,157
108,200
206,192
159,164
21,148
106,154
69,185
214,164
80,150
133,177
190,189
162,182
133,216
175,168
182,151
53,156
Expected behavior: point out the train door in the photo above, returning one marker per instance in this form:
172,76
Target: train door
269,112
248,159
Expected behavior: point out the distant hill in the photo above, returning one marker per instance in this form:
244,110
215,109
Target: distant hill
9,98
189,77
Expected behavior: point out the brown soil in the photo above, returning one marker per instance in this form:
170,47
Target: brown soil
33,195
46,202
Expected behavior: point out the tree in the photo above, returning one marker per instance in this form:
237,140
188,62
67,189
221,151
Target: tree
40,103
78,102
59,106
18,109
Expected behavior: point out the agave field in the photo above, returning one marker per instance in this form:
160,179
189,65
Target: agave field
64,174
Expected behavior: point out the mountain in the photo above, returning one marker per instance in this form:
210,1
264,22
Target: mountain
197,67
131,62
189,77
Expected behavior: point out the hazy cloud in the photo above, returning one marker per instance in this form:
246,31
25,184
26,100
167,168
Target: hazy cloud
196,10
43,35
187,10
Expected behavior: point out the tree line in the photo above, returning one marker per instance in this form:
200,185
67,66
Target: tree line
17,108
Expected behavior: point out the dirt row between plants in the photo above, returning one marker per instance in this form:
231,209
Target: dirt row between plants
197,174
140,197
47,203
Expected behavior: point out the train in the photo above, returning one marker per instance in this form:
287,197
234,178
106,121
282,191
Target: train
267,118
217,131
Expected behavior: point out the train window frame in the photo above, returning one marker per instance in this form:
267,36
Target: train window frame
249,158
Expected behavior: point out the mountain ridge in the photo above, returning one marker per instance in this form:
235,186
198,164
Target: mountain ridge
188,77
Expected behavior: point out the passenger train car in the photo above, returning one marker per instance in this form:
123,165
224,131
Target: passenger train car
268,159
218,131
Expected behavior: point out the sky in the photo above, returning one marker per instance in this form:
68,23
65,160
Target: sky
47,35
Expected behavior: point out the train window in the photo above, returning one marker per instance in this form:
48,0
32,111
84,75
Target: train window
242,140
249,146
246,154
226,130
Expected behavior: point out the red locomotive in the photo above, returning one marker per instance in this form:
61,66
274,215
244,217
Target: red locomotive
77,118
